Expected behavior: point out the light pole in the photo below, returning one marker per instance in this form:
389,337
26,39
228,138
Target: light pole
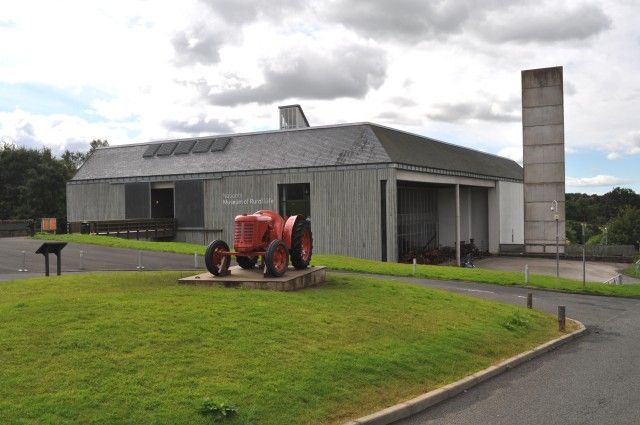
556,217
584,256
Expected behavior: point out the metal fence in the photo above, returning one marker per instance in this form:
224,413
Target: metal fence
11,228
610,252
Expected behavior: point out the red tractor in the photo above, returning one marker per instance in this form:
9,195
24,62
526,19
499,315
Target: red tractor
264,234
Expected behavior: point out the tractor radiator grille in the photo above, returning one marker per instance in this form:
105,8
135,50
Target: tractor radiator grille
243,233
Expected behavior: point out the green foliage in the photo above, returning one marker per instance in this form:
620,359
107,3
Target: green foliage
33,184
574,231
596,239
217,411
598,210
33,181
137,348
624,229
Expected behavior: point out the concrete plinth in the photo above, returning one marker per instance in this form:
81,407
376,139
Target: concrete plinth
253,279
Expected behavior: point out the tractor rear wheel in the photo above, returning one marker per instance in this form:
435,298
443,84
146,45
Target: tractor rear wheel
277,258
214,258
301,244
246,262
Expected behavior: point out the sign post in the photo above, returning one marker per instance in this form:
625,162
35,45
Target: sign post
51,248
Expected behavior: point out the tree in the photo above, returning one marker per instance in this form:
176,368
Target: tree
624,229
32,183
95,144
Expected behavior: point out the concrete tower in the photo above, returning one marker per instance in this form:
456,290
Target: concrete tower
543,159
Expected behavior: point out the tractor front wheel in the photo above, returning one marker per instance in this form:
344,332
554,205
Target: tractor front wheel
246,262
277,258
301,244
215,259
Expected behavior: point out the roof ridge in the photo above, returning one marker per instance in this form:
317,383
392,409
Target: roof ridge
440,141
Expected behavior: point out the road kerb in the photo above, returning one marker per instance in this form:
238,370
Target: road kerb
411,407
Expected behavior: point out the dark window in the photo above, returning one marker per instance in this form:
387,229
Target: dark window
294,199
151,151
220,144
184,147
202,146
162,203
166,149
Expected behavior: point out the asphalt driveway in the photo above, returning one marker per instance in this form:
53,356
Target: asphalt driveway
95,258
593,380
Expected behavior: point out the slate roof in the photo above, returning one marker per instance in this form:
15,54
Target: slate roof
345,144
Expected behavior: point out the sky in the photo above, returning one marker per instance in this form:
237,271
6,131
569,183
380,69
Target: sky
136,70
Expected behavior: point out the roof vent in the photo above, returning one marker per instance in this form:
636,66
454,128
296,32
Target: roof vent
292,116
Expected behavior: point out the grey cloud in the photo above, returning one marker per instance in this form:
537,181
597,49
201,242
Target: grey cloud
493,20
569,88
546,24
347,71
198,45
454,112
397,118
401,19
201,125
402,101
246,11
26,136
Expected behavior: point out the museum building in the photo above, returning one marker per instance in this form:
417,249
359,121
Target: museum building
370,191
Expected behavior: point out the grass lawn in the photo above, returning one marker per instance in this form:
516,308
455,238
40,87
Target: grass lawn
336,262
132,348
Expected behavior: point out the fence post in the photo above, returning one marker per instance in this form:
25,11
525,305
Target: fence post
414,266
561,318
526,274
529,300
81,260
195,260
140,266
23,267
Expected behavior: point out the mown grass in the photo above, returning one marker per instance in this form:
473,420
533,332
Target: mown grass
112,241
336,262
474,275
133,348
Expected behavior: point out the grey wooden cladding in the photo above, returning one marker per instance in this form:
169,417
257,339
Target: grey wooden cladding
95,201
345,207
136,200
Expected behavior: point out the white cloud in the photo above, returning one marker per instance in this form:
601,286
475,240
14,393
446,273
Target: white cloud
612,156
596,181
511,152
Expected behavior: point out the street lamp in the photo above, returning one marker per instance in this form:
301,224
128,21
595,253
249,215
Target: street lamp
556,217
584,255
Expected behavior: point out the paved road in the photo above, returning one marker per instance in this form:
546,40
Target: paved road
594,380
597,271
96,258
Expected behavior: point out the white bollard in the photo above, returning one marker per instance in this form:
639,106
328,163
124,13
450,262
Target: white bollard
140,266
414,266
23,267
526,274
195,260
81,260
